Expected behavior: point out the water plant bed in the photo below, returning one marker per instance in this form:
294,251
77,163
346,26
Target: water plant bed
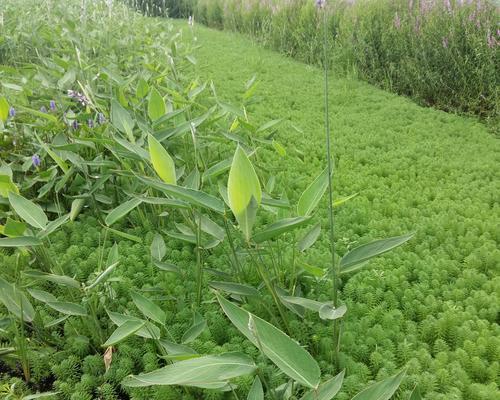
164,222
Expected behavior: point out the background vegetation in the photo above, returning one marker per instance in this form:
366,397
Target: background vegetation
441,53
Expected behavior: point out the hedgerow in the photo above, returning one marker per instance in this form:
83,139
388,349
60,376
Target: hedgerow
441,54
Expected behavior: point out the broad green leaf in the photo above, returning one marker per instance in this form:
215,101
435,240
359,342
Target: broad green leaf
121,119
158,248
287,354
194,197
382,390
194,331
113,255
103,276
7,185
198,372
312,305
365,252
21,241
309,238
162,162
4,109
32,213
313,194
14,228
52,226
256,391
142,88
166,266
327,390
16,301
279,148
312,270
278,228
156,105
36,113
68,308
148,331
192,181
62,280
175,349
122,210
243,186
217,169
125,330
148,308
235,288
42,295
125,235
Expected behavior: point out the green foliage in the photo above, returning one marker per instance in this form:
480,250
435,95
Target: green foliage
429,307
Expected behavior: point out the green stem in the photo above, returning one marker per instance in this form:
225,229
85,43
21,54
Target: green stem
335,269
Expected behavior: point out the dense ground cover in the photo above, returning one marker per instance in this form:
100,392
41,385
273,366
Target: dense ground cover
430,307
442,53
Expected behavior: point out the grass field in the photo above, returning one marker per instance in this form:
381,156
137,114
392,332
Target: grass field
429,307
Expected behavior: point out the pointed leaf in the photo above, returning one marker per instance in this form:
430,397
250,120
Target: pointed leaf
309,238
256,391
235,288
313,194
122,210
195,197
4,109
16,301
197,372
148,308
365,252
194,331
162,162
121,119
148,331
123,332
289,356
278,228
21,241
243,185
68,308
327,390
156,105
382,390
32,213
62,280
158,248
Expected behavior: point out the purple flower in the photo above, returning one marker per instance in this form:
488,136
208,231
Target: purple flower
43,109
80,97
397,21
90,123
52,105
12,112
75,125
490,40
320,3
35,159
101,119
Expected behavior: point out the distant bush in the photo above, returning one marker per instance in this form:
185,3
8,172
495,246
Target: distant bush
442,53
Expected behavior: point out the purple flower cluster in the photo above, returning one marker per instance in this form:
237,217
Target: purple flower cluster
79,97
12,112
35,159
320,3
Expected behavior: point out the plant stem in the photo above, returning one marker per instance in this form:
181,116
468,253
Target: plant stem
335,271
